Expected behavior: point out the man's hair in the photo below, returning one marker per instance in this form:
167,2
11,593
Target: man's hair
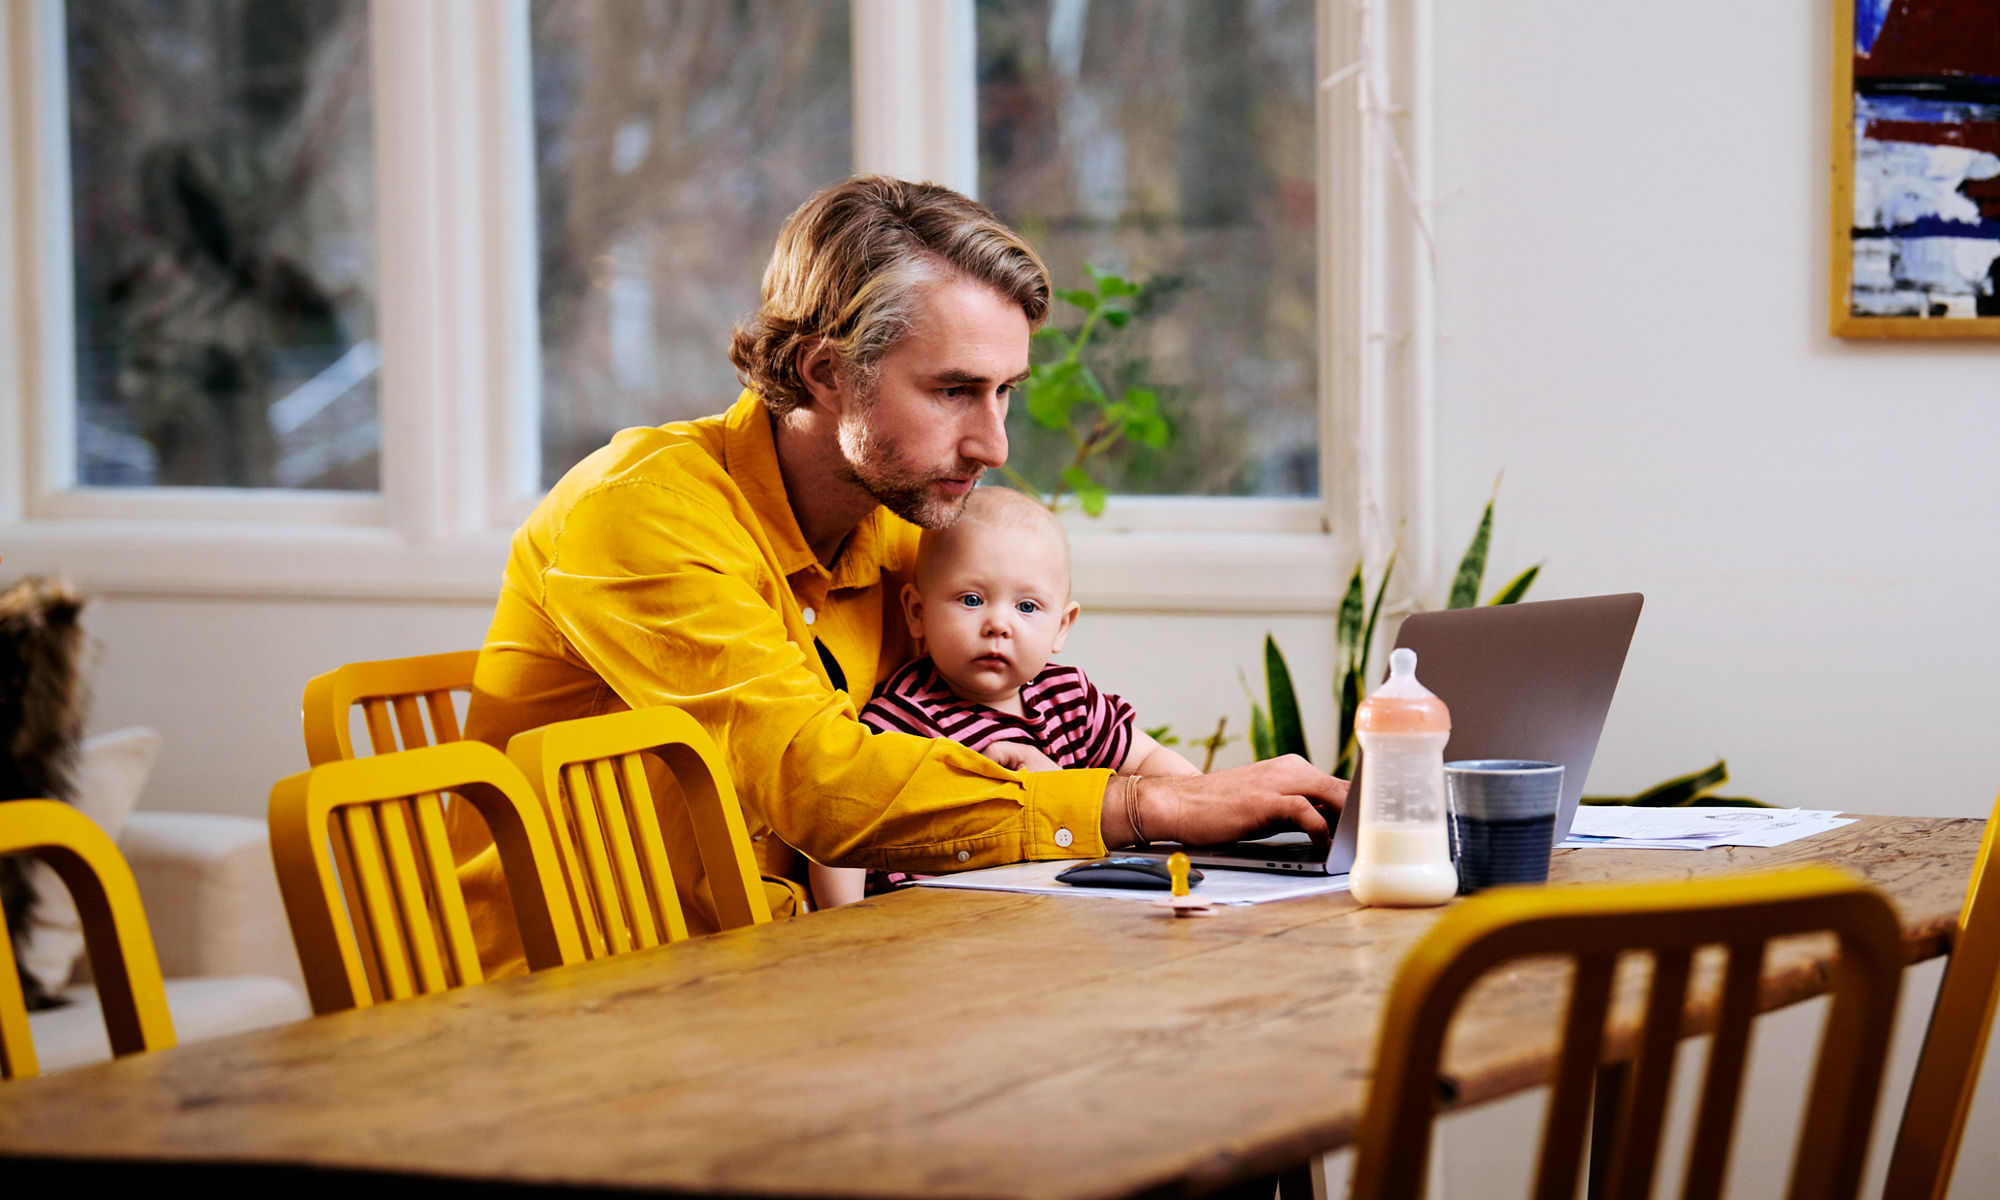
992,508
849,265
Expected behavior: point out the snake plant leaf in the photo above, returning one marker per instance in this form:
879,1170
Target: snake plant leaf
1472,567
1350,708
1347,623
1375,612
1682,789
1260,732
1517,587
1288,735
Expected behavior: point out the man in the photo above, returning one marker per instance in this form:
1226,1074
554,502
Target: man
745,568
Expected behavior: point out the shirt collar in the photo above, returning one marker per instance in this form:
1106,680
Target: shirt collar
750,455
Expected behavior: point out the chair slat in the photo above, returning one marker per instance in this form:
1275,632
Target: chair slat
410,722
1722,1080
1637,1150
381,725
643,811
378,902
610,802
461,950
597,860
444,717
1576,1074
413,899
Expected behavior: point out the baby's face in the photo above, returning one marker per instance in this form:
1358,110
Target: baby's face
992,605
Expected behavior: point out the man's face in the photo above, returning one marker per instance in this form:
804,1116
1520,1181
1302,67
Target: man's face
935,417
992,606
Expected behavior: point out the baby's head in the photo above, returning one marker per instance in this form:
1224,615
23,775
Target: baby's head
991,595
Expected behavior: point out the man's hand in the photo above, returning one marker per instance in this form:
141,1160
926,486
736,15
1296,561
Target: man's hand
1020,756
1228,806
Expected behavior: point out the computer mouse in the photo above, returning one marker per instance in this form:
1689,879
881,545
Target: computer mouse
1124,871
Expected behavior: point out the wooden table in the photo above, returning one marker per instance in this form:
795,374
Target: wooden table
932,1043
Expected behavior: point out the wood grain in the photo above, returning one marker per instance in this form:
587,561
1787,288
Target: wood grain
930,1043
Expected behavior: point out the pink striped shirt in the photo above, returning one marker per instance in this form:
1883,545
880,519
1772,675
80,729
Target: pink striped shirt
1068,718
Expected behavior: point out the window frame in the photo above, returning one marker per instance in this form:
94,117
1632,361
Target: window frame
460,374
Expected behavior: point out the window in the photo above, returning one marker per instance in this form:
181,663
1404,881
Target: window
441,250
222,201
1171,142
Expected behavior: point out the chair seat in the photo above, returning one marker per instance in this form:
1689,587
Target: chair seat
203,1007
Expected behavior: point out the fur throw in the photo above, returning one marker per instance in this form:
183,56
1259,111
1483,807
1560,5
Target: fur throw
42,705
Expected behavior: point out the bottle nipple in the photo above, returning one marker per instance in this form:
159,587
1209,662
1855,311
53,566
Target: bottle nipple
1401,704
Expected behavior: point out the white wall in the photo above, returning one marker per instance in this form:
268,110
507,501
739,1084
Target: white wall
1632,245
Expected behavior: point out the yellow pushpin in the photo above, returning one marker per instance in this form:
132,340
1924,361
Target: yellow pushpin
1180,903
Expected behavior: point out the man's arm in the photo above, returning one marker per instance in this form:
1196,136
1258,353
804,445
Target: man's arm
1226,806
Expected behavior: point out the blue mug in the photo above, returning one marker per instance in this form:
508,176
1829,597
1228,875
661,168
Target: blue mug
1502,819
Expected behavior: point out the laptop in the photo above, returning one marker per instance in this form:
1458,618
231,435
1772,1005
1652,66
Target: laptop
1528,681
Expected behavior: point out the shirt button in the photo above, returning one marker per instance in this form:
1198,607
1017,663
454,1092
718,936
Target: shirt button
810,616
1064,837
964,855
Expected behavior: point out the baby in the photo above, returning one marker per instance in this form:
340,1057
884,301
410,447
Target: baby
990,604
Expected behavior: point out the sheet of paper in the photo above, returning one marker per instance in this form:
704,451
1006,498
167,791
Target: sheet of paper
1218,885
1696,827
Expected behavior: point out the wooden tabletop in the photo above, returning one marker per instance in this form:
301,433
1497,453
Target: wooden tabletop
930,1043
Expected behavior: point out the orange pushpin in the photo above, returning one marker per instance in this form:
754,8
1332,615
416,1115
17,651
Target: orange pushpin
1180,903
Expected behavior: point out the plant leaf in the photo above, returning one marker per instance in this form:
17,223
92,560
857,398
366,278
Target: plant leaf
1350,707
1116,317
1087,301
1260,732
1089,493
1288,736
1682,789
1347,624
1472,567
1517,587
1374,612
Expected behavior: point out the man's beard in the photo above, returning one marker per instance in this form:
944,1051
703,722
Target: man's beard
879,468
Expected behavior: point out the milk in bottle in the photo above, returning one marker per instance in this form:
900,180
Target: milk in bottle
1402,856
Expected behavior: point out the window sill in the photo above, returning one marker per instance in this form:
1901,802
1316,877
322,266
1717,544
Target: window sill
1199,572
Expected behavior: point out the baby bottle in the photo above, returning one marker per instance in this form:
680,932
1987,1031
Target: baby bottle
1402,857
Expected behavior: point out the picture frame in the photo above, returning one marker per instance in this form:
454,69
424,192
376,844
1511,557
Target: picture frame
1915,200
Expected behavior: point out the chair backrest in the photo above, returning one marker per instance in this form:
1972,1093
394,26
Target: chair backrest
403,891
115,933
591,774
395,695
1593,927
1955,1046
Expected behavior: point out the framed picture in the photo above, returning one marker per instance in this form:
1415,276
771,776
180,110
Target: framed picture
1916,169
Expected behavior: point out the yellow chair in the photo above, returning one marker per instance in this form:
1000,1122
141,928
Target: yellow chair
405,894
1955,1046
591,776
120,943
1593,926
394,695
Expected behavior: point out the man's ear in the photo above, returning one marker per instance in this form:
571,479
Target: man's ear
819,369
913,609
1068,619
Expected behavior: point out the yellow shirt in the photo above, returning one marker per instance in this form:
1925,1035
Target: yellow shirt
667,568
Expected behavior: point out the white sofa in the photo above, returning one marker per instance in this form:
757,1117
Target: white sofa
211,899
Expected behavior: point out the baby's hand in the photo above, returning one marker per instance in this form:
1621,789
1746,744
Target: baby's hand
1019,756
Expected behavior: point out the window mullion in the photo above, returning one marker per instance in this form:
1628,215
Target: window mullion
449,118
914,101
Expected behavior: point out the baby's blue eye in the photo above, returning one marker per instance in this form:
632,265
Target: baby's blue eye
1027,608
970,600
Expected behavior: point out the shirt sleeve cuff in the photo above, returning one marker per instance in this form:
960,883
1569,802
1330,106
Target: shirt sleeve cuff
1065,813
